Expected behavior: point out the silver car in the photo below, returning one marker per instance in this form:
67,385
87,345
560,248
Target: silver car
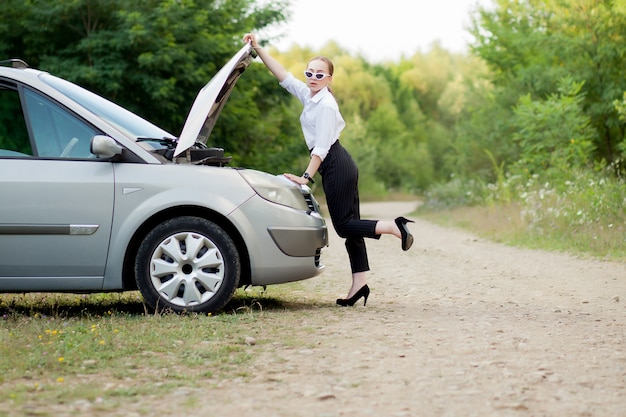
94,198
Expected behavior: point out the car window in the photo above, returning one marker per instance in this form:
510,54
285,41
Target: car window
14,139
57,132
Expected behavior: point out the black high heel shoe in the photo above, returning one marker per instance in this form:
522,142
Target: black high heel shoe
363,292
407,237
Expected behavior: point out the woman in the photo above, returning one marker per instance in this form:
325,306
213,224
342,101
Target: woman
322,124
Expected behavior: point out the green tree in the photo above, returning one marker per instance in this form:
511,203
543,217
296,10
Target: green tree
554,133
530,45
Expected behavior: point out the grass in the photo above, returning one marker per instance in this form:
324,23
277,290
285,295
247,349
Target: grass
501,224
507,223
104,350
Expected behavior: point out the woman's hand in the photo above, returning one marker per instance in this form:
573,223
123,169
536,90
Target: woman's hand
250,37
297,179
274,66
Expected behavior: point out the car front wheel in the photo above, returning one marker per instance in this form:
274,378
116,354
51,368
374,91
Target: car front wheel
187,264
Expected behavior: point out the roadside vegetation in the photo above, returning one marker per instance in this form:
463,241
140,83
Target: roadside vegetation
582,214
540,149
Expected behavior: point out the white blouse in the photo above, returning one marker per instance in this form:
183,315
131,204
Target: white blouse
321,120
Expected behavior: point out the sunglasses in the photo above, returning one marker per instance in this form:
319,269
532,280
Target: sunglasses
317,75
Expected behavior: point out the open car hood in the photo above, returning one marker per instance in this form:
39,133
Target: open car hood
210,101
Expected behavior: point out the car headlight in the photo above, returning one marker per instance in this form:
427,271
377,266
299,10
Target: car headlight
275,188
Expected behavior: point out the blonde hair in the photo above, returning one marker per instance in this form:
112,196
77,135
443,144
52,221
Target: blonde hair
328,62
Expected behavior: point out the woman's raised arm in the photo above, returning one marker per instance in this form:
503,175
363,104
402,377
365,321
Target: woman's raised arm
274,66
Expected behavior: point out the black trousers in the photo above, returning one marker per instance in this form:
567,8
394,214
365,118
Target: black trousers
340,177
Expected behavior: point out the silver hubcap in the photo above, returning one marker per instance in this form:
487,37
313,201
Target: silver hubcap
187,269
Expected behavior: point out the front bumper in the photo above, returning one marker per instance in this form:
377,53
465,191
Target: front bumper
284,244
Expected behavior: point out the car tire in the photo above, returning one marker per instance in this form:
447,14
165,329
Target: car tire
187,264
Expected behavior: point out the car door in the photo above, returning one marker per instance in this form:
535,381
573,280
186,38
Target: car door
56,199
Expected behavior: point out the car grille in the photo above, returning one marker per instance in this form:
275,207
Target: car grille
318,255
310,201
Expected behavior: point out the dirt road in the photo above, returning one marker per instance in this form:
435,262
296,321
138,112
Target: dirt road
457,326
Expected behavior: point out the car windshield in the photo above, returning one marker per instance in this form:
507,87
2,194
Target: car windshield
121,118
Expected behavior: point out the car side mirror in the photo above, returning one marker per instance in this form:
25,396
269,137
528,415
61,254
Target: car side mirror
105,147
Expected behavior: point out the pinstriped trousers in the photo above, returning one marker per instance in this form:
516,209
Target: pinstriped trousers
340,177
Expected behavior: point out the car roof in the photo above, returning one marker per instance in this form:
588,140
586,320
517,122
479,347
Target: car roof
19,73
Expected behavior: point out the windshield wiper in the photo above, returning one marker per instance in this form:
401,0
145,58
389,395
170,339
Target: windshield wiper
162,141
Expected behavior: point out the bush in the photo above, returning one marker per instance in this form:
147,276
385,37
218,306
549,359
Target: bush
554,133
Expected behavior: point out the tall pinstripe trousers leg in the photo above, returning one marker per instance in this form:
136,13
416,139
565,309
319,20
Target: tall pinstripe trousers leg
340,178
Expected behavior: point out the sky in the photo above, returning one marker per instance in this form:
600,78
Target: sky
379,30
